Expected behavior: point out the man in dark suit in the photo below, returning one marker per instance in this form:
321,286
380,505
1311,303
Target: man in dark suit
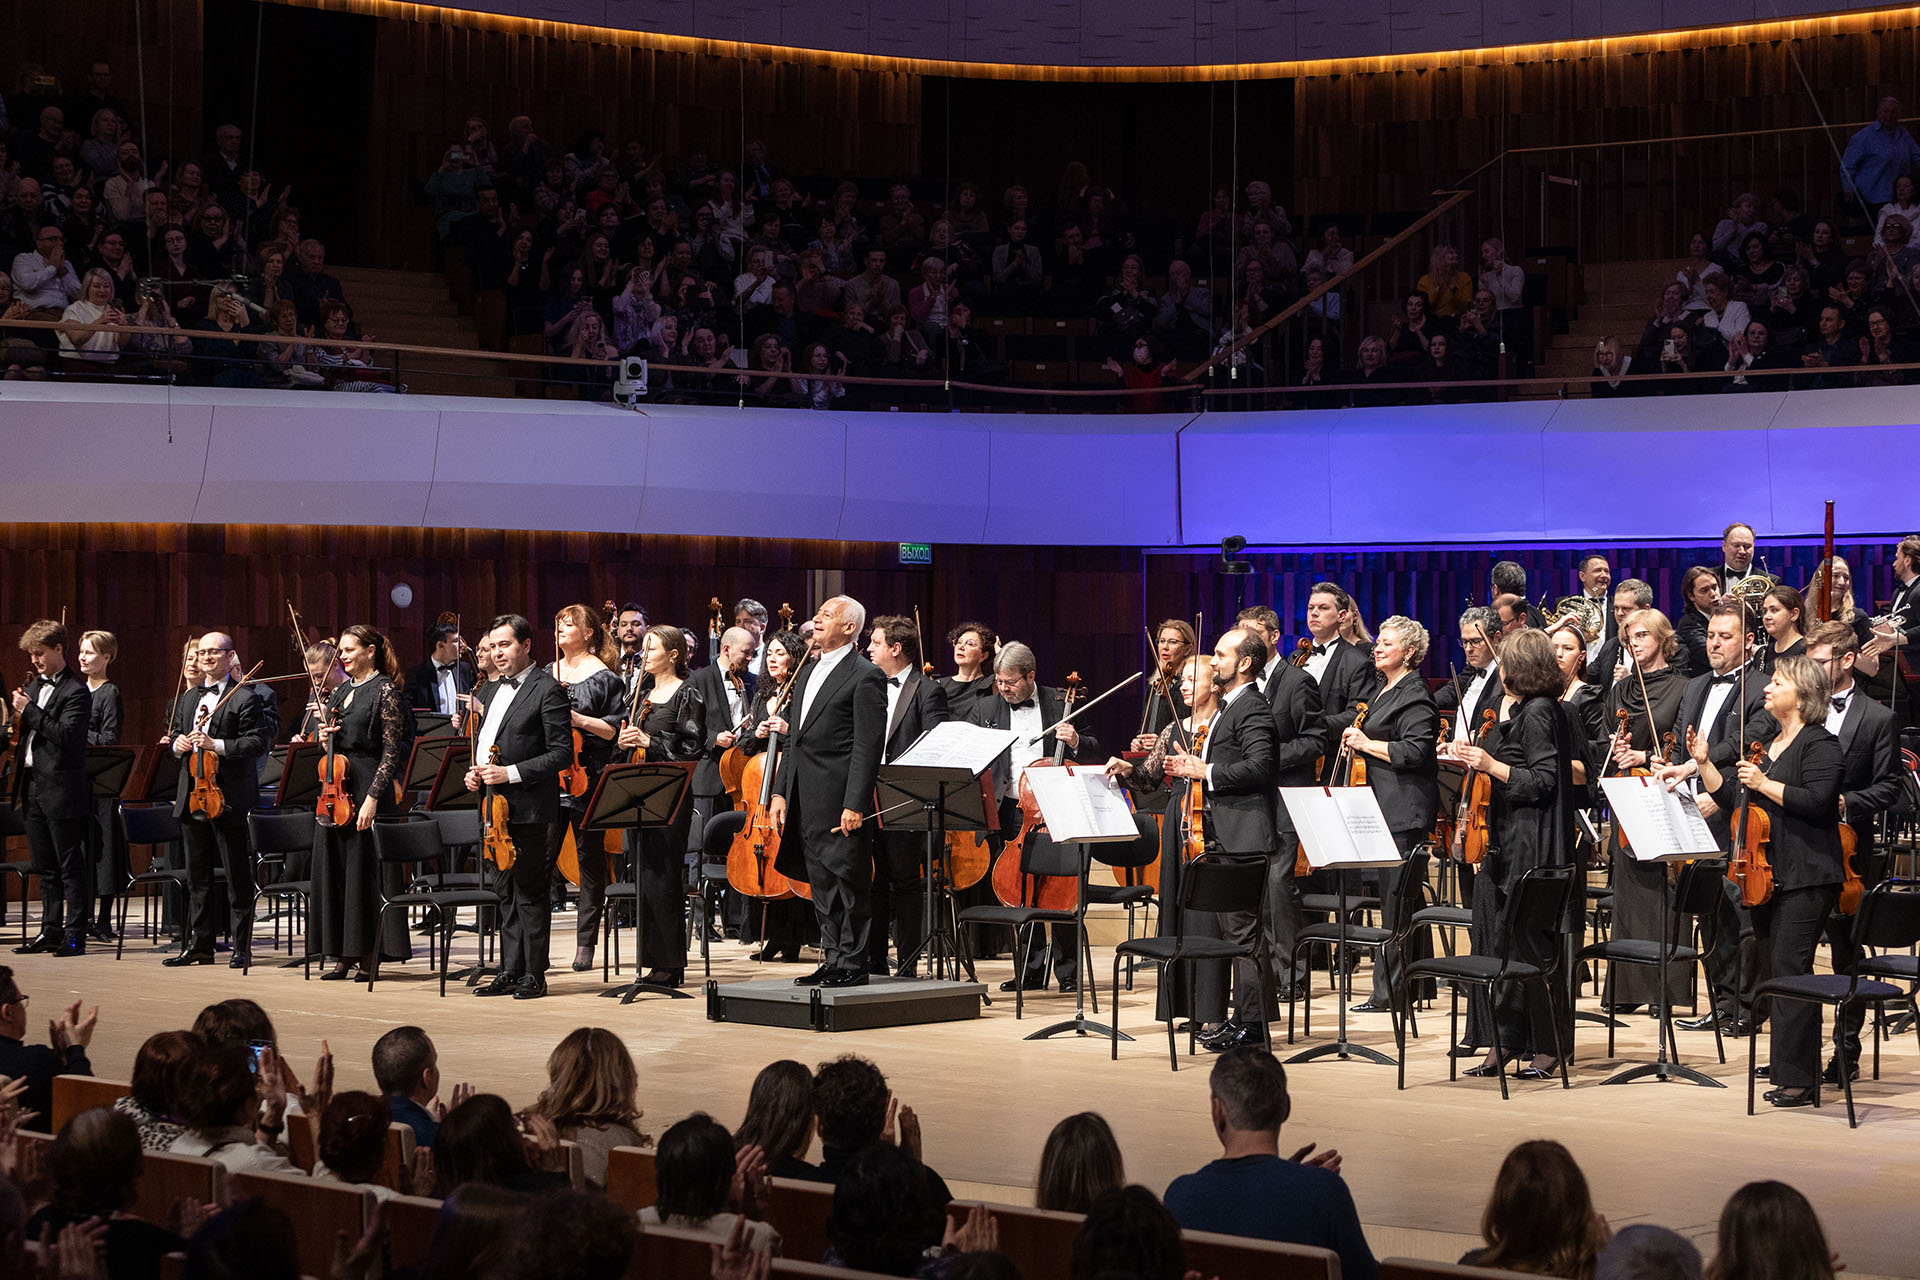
1900,631
1736,554
1596,576
1021,703
527,717
239,728
914,705
1509,578
725,687
1700,591
1477,688
1236,765
1629,595
1869,746
824,785
53,708
1338,666
438,683
1300,740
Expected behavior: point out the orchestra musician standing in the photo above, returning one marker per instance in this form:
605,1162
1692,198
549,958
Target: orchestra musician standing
322,659
106,843
1569,642
527,717
671,726
823,784
1021,703
1596,576
1614,661
1782,614
784,923
438,683
914,705
974,644
583,665
725,688
1478,686
1898,629
1699,592
240,733
1340,666
371,727
1798,786
1173,643
1736,556
52,709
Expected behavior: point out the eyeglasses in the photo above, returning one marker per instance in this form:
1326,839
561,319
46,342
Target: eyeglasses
15,998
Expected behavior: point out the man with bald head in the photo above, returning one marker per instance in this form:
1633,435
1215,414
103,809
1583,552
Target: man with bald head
823,787
238,729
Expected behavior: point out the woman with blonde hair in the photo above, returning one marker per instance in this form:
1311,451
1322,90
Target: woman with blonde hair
584,667
592,1097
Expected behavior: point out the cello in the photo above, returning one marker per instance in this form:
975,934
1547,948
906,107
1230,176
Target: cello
1050,893
204,799
750,857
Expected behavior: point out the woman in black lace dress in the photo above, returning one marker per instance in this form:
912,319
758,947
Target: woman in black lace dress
672,725
372,731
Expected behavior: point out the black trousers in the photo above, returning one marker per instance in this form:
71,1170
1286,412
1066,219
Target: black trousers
1245,929
220,843
660,878
1734,962
107,848
58,850
1284,916
526,916
899,895
1789,928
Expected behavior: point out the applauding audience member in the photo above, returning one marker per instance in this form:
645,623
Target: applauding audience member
780,1119
707,1188
154,1102
592,1097
38,1064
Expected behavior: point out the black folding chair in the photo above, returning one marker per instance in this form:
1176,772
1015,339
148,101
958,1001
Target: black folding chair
715,839
1129,862
14,823
418,842
1702,886
1538,905
1212,885
1888,921
276,835
1038,857
1412,895
151,824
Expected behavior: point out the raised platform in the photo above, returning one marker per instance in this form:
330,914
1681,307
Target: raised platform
883,1002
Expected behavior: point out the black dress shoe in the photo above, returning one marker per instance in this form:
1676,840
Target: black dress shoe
102,930
1068,988
1485,1071
1705,1022
1014,984
1464,1051
1832,1074
845,978
1287,994
1531,1072
1790,1097
1739,1029
240,960
1368,1006
503,984
1763,1072
669,978
45,942
1227,1030
334,975
815,978
1241,1034
1619,1008
186,958
531,987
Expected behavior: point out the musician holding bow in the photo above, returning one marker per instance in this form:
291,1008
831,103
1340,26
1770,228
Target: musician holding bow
53,708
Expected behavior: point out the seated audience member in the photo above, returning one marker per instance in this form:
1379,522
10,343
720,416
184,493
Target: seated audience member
86,335
854,1111
1671,311
353,1142
1184,320
1250,1190
569,1235
349,366
38,1064
1331,256
1441,367
695,1170
1127,1234
1768,1231
250,1240
475,1228
479,1142
887,1215
407,1068
1080,1163
232,1115
153,1104
1742,220
1679,355
1380,384
779,1119
1795,311
1758,274
1882,346
1016,272
306,281
931,301
1754,350
1725,318
1478,336
235,1021
1646,1252
1834,353
592,1097
1413,328
1446,289
1610,369
1540,1217
94,1166
1146,370
222,360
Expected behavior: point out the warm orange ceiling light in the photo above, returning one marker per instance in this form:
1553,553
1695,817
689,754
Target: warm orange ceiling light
1600,47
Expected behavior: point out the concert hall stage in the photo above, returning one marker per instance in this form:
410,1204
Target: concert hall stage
1420,1162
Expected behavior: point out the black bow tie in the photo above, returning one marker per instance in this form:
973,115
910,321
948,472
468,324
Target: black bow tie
512,682
1028,705
1322,648
895,680
1729,678
446,668
1840,703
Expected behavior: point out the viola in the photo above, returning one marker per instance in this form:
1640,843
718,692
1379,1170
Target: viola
1471,832
573,778
1749,867
1010,884
1356,763
496,845
1302,650
713,629
1851,889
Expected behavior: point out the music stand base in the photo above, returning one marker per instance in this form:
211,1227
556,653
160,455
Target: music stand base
1602,1019
627,993
1664,1071
1342,1049
1079,1026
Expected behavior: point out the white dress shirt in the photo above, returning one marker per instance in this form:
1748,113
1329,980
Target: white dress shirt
497,716
1717,695
1322,655
203,715
1463,726
45,696
1837,714
822,668
896,685
1206,748
447,688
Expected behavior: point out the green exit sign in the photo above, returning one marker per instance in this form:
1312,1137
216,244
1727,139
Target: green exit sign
916,553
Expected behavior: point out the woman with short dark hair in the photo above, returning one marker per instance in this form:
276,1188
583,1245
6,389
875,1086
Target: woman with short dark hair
694,1168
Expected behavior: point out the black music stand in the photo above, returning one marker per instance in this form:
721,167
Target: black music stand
448,789
300,776
641,797
273,767
433,724
934,800
109,769
1079,1023
423,766
164,783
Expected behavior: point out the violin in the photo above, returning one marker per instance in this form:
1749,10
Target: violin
1851,889
1356,763
335,804
204,798
1749,867
496,845
573,778
1471,832
1010,884
1194,842
713,629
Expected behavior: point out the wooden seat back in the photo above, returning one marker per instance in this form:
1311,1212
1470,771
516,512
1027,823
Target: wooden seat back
410,1223
1039,1241
320,1211
398,1158
1241,1258
74,1094
166,1180
631,1180
798,1211
669,1253
1419,1269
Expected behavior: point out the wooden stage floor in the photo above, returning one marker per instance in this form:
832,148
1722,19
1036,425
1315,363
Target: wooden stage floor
1420,1162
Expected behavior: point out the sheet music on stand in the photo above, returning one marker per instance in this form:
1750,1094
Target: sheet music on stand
1660,825
1082,805
1341,827
956,744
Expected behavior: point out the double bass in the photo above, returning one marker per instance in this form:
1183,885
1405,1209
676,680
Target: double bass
1050,893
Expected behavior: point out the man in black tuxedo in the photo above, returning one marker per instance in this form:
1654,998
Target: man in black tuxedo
725,687
914,705
1509,578
1236,765
239,727
438,683
1901,630
1476,688
1869,745
1736,554
1699,592
1300,739
1339,667
53,708
824,784
1629,595
1022,703
527,716
1596,576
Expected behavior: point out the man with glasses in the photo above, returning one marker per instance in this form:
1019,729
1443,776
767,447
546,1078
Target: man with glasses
38,1064
1478,687
43,278
1613,662
238,729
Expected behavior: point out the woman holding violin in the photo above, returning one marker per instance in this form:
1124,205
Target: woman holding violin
371,731
1640,713
1173,643
974,644
584,669
667,722
1783,614
1796,785
1531,824
1398,739
782,925
322,658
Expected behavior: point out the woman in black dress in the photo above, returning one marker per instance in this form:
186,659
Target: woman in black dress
98,649
782,925
1173,643
584,669
1783,613
974,644
1530,823
1398,739
672,725
371,730
1649,638
1582,698
1797,786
